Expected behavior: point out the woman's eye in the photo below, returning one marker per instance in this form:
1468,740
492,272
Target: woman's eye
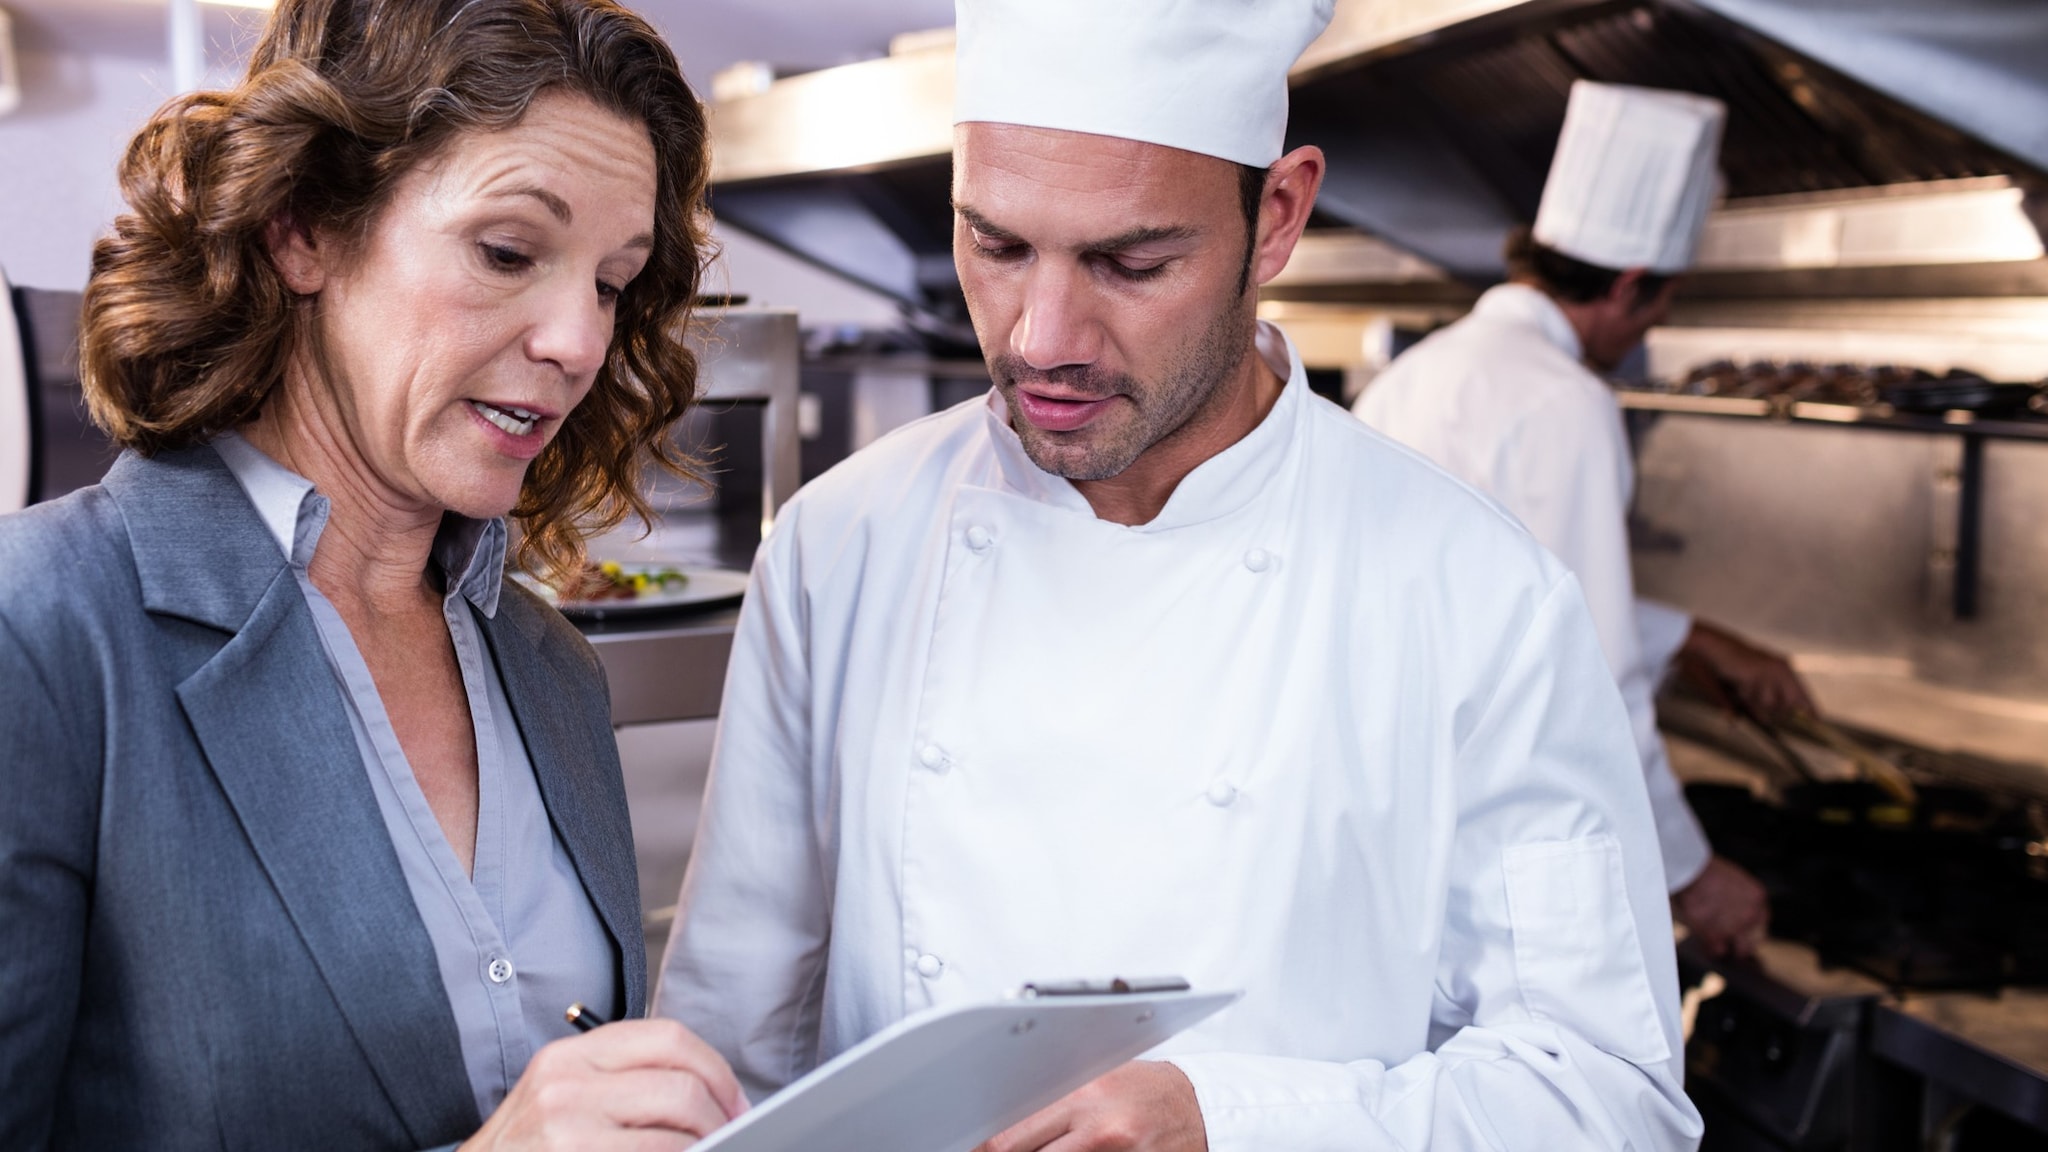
505,259
608,294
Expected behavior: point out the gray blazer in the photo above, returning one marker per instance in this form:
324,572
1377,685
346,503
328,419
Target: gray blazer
206,941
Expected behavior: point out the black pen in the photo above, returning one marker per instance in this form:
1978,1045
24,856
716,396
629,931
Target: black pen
583,1018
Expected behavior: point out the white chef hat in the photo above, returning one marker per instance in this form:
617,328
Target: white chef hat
1206,76
1634,175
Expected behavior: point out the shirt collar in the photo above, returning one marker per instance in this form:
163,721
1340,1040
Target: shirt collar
470,552
1218,486
1522,304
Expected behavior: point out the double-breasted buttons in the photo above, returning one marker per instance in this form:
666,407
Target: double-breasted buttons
930,966
1258,559
934,758
980,539
1222,793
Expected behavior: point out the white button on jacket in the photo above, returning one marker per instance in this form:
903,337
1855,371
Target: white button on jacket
1446,907
1502,401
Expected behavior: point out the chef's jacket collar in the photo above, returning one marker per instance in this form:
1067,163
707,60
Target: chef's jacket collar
1522,304
1218,486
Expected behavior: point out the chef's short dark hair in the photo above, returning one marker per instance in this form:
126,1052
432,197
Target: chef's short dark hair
1567,278
1251,192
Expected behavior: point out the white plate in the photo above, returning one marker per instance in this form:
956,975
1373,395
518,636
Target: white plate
703,588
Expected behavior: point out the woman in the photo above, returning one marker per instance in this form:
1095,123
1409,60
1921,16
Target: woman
314,828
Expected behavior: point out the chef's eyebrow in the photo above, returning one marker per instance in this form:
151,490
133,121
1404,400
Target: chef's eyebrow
1127,239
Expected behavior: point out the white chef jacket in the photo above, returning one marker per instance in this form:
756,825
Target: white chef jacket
1503,400
1331,729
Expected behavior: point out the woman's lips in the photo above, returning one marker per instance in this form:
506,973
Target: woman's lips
524,447
1054,415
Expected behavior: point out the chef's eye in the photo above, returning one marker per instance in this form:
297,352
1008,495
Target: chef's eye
1125,269
502,259
1136,272
996,249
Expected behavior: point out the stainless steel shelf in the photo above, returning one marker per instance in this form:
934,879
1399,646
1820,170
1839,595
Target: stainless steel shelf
1881,417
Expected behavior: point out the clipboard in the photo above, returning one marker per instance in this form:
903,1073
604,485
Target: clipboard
947,1079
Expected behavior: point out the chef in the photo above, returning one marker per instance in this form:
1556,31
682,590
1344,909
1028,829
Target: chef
1505,400
1152,662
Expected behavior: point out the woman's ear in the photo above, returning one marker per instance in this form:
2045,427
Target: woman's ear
296,254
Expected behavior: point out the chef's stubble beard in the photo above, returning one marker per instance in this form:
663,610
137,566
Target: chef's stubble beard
1182,399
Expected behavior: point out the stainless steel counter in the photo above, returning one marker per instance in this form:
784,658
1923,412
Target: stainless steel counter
667,667
1971,1048
1824,1072
1828,1057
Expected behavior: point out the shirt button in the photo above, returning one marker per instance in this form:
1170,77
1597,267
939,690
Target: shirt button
500,970
929,966
1222,793
1258,559
979,538
934,757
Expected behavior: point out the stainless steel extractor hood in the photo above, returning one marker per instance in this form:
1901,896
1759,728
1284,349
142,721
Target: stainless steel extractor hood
1439,118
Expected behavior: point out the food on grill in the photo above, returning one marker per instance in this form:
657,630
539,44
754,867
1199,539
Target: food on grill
1905,389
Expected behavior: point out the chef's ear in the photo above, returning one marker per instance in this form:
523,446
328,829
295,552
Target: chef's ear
1291,187
1639,289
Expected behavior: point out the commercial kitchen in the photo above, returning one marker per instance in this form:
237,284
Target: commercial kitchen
1840,439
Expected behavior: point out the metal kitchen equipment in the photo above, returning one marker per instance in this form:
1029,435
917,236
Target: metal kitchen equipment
65,450
673,667
1439,116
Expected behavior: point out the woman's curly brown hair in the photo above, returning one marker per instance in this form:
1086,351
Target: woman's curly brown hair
188,325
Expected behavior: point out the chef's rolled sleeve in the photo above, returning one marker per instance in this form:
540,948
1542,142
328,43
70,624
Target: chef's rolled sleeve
1556,991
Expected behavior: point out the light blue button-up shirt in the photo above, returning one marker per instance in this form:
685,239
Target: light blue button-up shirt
518,939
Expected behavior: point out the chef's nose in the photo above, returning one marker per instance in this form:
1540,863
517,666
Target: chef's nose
1056,326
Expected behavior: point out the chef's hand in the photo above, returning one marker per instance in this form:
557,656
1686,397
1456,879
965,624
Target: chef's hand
1144,1106
1764,679
636,1084
1725,909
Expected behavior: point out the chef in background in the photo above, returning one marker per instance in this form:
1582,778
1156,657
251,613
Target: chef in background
1509,399
1150,661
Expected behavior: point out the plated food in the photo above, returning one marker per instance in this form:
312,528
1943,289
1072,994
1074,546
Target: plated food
611,580
625,587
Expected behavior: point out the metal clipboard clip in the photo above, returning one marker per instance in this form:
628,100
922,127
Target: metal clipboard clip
1114,986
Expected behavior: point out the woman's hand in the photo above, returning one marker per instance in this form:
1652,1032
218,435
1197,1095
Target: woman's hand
637,1084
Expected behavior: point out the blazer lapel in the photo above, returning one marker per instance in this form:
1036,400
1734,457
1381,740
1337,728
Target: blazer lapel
576,761
271,719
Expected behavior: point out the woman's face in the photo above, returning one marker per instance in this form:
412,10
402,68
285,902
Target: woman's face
475,315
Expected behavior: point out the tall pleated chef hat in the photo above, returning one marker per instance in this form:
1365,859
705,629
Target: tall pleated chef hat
1206,76
1634,175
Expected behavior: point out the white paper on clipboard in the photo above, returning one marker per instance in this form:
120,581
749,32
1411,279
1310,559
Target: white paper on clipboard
945,1080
